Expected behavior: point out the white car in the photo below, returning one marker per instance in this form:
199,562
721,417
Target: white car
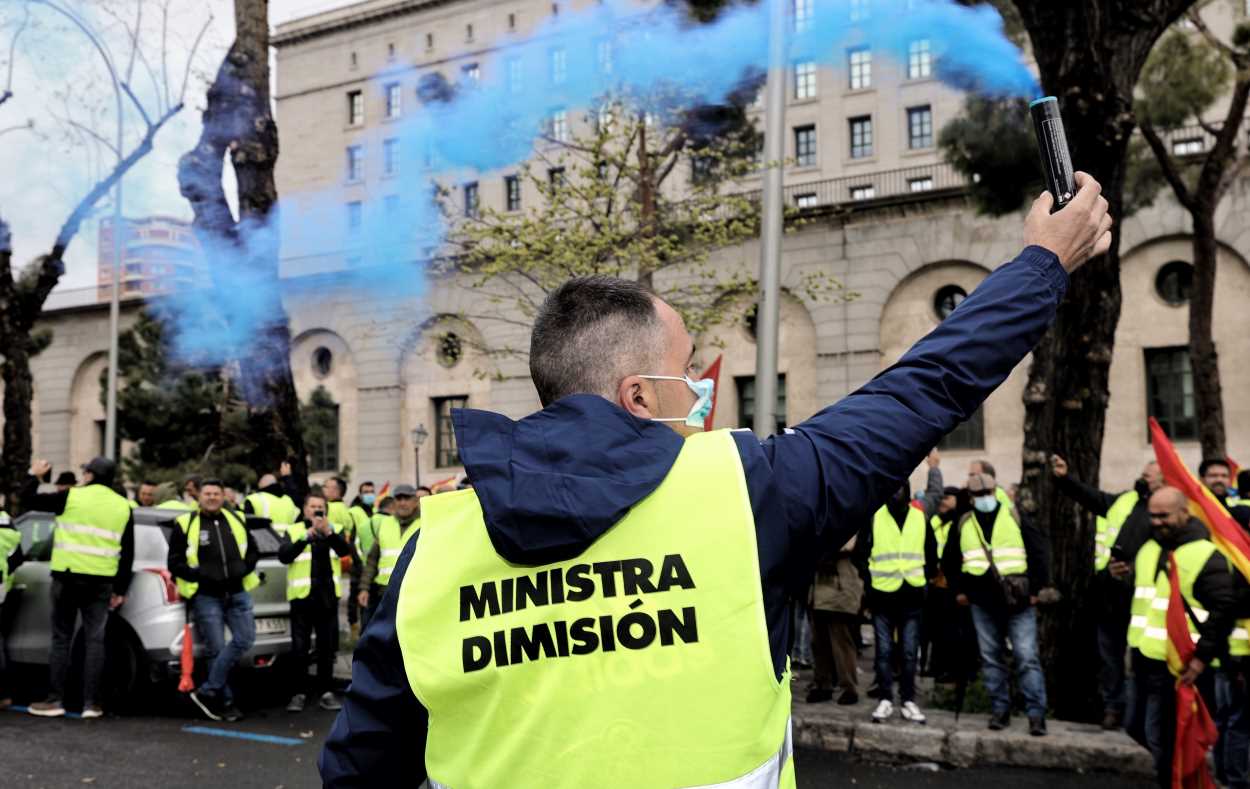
143,642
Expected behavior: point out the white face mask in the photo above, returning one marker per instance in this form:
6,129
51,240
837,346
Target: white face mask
985,503
703,389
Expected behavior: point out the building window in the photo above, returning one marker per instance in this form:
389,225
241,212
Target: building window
515,72
512,192
429,40
746,401
970,434
1189,146
805,80
1170,392
471,200
605,56
394,97
355,216
947,299
919,127
604,118
446,453
860,10
701,169
511,22
390,204
861,137
322,362
861,68
355,108
864,192
468,34
805,200
922,184
919,59
471,73
555,177
805,146
390,156
558,62
558,126
1174,282
803,12
352,61
355,162
320,418
450,350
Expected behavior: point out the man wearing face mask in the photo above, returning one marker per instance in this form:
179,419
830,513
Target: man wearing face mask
1123,525
609,605
361,513
990,542
1208,588
393,532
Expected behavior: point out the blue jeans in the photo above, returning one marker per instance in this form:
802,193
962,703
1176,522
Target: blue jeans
212,616
993,628
884,623
1233,715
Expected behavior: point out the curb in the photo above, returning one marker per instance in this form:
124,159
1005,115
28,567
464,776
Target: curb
968,743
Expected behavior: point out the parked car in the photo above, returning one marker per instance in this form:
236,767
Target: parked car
144,638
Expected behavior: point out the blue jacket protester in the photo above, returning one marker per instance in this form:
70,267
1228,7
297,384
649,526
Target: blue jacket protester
554,482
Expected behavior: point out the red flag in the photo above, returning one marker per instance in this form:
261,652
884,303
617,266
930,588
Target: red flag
1195,731
713,372
1233,468
1203,505
185,683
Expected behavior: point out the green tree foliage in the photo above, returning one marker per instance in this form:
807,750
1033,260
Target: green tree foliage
320,419
1181,81
992,144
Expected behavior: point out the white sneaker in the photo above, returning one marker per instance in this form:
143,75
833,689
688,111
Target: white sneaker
912,713
883,712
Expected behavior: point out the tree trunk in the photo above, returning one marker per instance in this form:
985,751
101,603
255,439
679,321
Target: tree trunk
238,123
19,388
1203,357
1067,393
646,199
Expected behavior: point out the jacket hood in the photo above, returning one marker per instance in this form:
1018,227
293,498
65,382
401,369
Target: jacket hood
554,482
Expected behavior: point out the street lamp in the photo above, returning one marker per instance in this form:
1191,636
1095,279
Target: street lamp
419,435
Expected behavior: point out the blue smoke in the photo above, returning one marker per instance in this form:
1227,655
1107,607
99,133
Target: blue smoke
462,132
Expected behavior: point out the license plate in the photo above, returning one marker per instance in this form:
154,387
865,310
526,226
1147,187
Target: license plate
271,625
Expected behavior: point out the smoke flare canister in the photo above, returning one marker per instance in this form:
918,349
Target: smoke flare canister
1052,144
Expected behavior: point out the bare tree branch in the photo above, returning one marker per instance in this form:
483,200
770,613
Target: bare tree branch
7,93
1167,164
1195,17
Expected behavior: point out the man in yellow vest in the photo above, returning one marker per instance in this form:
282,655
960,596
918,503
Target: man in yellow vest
145,496
393,532
190,495
1122,526
1216,474
310,549
1207,586
212,557
897,555
272,501
92,555
10,559
609,605
991,542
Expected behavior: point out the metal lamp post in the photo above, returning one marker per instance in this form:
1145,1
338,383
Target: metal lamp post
419,435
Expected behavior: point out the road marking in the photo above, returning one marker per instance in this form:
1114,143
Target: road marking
25,709
242,735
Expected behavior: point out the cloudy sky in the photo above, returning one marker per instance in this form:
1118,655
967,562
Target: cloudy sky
58,83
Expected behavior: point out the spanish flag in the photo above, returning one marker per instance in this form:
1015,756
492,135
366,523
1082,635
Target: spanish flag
1233,469
384,492
1196,733
1203,505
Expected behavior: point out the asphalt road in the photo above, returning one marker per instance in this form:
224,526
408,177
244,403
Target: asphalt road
274,750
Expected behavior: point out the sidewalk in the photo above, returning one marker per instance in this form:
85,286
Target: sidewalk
968,743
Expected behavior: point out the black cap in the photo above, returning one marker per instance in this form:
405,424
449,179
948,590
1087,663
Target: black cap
404,490
102,470
66,478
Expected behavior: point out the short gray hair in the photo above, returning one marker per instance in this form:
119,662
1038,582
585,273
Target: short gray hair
590,333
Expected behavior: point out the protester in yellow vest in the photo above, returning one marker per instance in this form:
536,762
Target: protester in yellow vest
361,513
609,605
10,559
272,501
393,532
1216,474
145,496
310,548
1122,526
213,556
897,555
1208,589
92,557
991,542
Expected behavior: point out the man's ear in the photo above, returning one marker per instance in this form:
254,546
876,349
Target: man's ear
636,397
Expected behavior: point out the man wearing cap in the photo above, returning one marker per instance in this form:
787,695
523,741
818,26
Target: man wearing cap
991,549
65,480
609,605
393,532
93,550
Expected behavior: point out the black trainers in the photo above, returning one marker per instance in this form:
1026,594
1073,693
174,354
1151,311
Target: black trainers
818,695
1037,726
209,703
848,698
1000,721
231,713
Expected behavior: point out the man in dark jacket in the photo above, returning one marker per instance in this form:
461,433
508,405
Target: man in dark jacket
11,558
609,359
1123,526
213,557
992,541
1217,476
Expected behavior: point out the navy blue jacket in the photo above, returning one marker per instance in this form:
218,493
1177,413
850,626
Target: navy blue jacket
554,482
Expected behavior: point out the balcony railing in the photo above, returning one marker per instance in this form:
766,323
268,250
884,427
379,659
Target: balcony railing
920,182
